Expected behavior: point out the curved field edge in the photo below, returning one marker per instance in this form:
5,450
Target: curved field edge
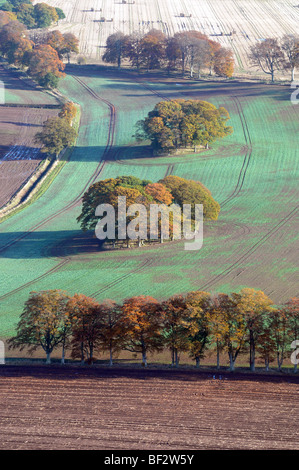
39,182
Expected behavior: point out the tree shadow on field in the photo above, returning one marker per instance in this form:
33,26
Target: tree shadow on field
48,244
198,89
19,153
100,373
115,154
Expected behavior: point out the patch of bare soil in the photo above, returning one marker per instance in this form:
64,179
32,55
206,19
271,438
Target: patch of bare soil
68,407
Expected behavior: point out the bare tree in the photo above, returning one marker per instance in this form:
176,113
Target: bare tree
268,56
290,46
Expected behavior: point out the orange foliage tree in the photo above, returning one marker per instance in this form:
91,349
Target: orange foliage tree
44,60
142,324
86,327
45,322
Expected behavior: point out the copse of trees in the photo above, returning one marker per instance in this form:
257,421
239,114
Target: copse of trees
190,50
181,124
169,190
42,61
40,15
196,323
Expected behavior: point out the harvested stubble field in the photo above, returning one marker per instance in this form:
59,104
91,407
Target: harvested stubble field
251,20
252,173
132,409
21,117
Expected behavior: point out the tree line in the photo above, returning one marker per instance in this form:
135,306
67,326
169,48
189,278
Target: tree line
196,323
155,50
195,51
42,61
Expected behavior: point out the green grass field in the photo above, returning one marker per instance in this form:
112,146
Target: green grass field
253,174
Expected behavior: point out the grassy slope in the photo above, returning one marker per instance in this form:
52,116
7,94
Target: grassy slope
241,236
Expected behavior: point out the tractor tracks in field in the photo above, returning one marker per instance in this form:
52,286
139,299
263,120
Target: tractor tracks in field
240,183
238,263
146,263
246,161
94,176
72,204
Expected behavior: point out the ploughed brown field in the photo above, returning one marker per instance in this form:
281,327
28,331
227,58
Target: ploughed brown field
71,407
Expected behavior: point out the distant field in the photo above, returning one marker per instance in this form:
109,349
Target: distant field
253,174
127,409
252,20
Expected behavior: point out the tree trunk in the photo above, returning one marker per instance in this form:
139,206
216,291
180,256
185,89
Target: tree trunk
279,362
231,363
144,359
82,353
172,357
197,362
252,351
218,356
63,355
111,358
48,361
176,358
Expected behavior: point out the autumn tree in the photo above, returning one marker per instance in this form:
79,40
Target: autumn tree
45,322
291,311
133,49
107,192
268,56
152,47
6,17
175,327
15,44
71,45
191,49
192,192
25,14
45,15
55,39
290,46
280,330
111,337
253,305
216,326
224,62
68,112
44,61
40,15
56,135
200,56
231,326
142,325
214,48
159,193
199,337
266,344
180,48
115,48
86,327
177,124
